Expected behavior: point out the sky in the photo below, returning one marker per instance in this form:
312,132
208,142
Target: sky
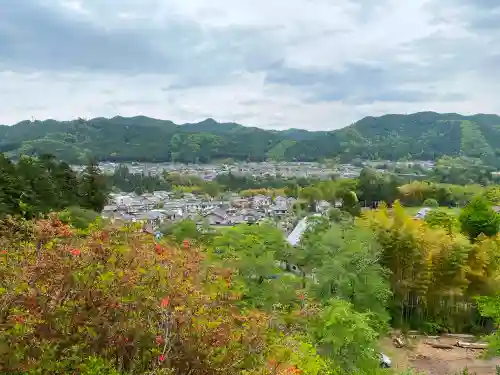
312,64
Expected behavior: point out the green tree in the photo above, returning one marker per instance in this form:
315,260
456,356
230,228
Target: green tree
292,190
374,187
489,306
344,261
36,186
66,181
346,337
312,195
478,217
181,230
39,192
253,251
432,275
78,217
211,188
493,195
10,188
441,219
93,189
350,203
369,187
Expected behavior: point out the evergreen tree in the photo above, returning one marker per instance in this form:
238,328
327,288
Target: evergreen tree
374,187
94,190
10,188
38,194
66,181
350,203
36,186
292,190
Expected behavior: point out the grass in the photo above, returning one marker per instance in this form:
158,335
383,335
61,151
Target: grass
451,211
222,228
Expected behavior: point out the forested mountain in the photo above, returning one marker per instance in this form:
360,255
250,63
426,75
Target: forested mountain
424,135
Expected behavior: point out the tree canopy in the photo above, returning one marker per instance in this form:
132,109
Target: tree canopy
37,186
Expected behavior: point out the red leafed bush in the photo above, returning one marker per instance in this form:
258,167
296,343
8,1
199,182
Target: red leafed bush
110,295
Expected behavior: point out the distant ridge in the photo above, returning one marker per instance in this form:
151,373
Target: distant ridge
423,135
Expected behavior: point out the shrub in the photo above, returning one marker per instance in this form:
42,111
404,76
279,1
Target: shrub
78,217
478,217
116,302
431,202
441,219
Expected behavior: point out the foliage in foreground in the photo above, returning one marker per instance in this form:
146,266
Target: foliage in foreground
116,302
490,306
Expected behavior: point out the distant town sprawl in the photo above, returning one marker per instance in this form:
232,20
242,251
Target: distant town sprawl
209,172
155,208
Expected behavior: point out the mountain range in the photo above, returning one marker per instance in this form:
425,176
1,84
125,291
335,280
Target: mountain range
423,136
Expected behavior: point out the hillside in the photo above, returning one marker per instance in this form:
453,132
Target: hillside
424,135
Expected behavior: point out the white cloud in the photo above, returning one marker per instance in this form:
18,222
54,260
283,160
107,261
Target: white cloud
313,64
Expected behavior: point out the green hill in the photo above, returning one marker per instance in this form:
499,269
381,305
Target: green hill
424,135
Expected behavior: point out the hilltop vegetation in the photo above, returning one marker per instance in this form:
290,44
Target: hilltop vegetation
82,296
36,186
112,301
107,300
424,135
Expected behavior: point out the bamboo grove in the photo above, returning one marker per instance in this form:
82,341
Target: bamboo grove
434,275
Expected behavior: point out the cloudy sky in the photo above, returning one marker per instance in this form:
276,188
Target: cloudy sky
314,64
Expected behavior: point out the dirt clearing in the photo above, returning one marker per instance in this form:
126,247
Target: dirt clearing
420,356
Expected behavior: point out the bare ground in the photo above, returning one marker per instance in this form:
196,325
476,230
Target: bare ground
432,361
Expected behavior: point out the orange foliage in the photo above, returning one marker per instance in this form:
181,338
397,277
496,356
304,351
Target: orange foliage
115,295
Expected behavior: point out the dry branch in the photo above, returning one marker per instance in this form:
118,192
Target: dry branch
472,345
438,345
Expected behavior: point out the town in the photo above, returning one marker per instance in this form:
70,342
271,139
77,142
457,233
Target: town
154,209
229,208
209,172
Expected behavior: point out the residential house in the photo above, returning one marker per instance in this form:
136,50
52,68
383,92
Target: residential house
109,209
176,205
170,214
278,210
260,201
241,203
193,205
323,206
152,218
244,216
120,216
162,194
281,201
217,217
252,216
